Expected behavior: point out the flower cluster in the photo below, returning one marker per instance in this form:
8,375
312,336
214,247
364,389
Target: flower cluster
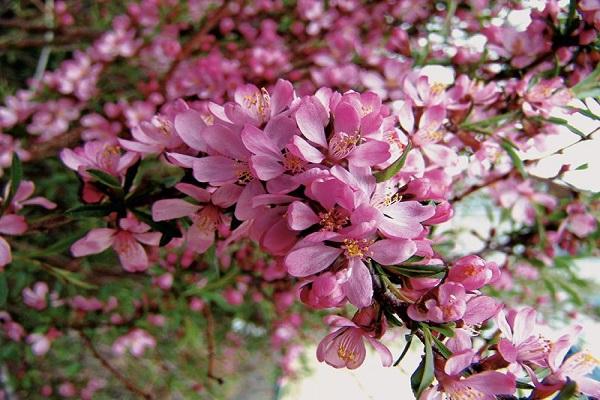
226,171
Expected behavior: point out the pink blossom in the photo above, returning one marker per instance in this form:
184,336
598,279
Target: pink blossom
36,297
473,272
445,304
127,242
345,347
519,343
136,342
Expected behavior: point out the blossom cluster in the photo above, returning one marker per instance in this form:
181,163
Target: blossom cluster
273,161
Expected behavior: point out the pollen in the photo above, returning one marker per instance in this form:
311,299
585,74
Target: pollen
243,173
293,164
345,354
438,88
357,248
333,220
342,144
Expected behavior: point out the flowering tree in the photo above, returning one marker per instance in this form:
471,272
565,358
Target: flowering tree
190,183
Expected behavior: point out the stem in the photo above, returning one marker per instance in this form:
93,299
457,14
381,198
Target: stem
210,342
130,386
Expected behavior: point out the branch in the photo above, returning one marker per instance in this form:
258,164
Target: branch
130,386
210,341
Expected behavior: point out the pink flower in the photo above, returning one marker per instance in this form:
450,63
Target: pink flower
136,342
577,367
345,347
36,297
483,385
101,155
207,217
473,272
579,221
355,247
127,242
357,119
519,343
324,290
544,97
444,304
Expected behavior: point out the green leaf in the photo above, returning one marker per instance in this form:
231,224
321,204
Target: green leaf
105,179
3,289
568,392
91,210
445,329
588,87
57,247
565,123
573,293
582,167
393,169
130,176
409,339
16,175
516,160
423,375
442,348
413,271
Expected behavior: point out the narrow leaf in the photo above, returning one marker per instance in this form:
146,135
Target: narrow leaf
409,339
3,289
423,375
516,160
396,166
105,178
16,175
90,210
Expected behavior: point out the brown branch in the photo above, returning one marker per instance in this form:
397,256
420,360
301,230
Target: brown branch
47,149
130,386
210,343
475,188
194,42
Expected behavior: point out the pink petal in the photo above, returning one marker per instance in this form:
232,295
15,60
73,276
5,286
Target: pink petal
370,153
301,148
391,252
301,216
244,209
384,353
197,193
188,126
259,143
215,169
346,118
266,167
308,118
282,96
492,382
359,286
458,362
309,260
131,254
96,241
226,195
40,201
225,142
507,350
172,209
5,254
148,238
13,224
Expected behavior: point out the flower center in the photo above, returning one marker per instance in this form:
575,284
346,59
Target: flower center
437,88
357,248
243,173
333,220
345,354
342,144
292,163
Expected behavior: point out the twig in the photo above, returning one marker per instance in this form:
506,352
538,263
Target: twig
210,342
475,188
130,386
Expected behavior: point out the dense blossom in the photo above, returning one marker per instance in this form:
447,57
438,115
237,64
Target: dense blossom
251,163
